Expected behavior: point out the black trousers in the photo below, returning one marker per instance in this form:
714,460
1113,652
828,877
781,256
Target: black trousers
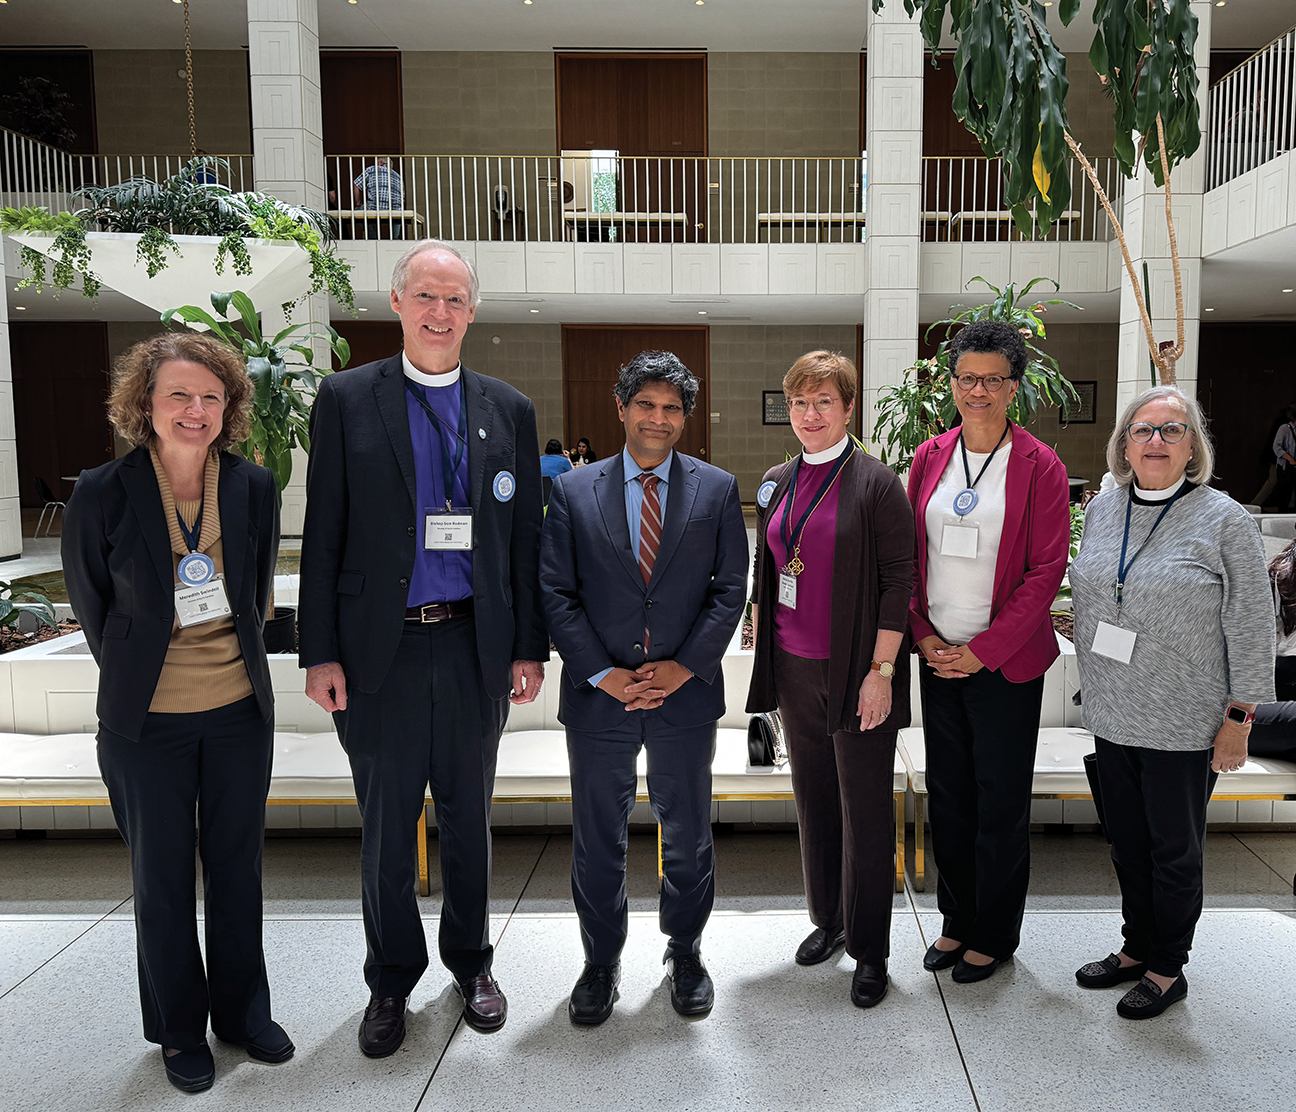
981,733
430,723
845,814
603,795
215,764
1154,804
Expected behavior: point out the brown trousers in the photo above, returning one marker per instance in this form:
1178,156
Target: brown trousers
842,783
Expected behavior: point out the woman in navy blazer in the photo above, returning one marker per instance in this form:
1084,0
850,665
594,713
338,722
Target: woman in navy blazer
186,713
992,546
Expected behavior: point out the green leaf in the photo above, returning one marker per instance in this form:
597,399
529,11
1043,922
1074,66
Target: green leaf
1068,10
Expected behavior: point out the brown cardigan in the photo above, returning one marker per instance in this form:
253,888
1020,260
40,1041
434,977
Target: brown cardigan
872,584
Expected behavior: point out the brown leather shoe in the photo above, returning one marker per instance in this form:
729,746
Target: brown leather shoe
383,1028
485,1008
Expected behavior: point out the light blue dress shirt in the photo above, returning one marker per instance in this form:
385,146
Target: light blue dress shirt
634,497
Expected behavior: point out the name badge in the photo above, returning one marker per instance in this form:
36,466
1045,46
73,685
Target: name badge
448,531
787,590
1113,642
203,603
959,540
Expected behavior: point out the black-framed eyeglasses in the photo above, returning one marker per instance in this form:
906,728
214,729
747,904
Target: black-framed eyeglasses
991,382
1171,432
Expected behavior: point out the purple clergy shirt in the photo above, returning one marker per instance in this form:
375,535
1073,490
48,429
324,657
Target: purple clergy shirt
807,631
438,576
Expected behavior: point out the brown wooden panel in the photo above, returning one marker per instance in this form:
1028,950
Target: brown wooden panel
943,134
635,104
72,71
361,101
592,359
1224,62
676,106
60,383
369,340
588,92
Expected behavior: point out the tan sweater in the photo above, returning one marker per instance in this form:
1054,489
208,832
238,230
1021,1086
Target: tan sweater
204,666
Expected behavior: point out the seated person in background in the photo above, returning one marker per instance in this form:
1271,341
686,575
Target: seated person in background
582,453
379,188
554,462
1274,731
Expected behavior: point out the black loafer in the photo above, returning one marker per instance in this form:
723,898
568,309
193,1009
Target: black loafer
965,973
1146,999
485,1008
692,992
1108,973
935,960
383,1028
592,998
820,945
869,984
190,1071
272,1045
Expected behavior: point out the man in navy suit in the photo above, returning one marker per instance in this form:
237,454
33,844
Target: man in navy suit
643,563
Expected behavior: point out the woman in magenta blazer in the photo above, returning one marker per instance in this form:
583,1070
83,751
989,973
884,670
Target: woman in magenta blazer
993,532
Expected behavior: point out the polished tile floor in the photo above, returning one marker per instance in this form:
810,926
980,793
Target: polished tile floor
780,1037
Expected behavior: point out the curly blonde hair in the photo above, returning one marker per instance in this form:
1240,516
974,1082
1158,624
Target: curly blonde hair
130,406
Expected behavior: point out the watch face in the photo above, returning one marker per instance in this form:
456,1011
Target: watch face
1237,714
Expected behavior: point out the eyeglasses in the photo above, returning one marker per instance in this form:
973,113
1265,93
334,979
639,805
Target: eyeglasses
1171,432
800,406
990,382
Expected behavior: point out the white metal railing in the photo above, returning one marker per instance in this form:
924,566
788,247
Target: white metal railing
963,199
598,196
1253,112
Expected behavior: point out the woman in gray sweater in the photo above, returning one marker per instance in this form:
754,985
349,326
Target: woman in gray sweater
1173,633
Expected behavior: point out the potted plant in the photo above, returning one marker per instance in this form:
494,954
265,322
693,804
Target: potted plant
284,388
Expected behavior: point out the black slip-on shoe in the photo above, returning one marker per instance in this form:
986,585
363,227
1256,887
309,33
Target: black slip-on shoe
869,984
965,973
382,1029
820,944
1146,999
190,1071
1108,973
935,960
485,1007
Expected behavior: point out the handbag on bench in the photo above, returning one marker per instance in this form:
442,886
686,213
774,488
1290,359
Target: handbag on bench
766,744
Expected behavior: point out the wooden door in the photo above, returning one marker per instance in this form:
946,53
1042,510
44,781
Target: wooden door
60,383
361,103
593,355
369,340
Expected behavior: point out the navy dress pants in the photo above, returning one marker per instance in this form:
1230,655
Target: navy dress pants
214,764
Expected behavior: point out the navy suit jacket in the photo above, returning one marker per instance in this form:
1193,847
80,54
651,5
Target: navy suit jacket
598,607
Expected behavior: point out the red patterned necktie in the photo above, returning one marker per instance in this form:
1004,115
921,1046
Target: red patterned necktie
650,525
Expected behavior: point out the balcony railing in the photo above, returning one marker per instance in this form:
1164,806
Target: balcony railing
1253,112
963,200
590,197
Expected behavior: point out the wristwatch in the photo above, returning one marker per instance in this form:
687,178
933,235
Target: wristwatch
885,667
1236,714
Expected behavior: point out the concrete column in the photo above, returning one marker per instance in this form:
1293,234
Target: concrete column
1146,234
11,544
893,202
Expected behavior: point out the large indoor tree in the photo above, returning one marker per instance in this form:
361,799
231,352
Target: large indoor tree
1011,94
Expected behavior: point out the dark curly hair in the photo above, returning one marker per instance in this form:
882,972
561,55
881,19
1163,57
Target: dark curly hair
991,337
130,407
657,366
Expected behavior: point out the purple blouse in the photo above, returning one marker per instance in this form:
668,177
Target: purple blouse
806,631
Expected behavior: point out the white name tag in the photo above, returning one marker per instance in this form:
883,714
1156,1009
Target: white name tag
1113,642
959,540
451,531
204,603
787,590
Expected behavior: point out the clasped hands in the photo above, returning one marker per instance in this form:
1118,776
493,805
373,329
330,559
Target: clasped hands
647,687
950,662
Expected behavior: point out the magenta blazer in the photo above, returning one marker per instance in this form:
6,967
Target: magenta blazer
1033,553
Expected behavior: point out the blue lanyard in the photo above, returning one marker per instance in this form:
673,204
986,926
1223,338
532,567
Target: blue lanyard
792,540
191,535
450,465
1124,569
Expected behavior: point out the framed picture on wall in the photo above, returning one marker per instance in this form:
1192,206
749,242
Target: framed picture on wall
1084,412
774,409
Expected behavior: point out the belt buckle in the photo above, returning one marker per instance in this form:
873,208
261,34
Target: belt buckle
423,613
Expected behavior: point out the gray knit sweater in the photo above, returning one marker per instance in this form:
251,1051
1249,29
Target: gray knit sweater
1198,598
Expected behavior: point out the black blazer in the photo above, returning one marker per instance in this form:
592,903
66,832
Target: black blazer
362,527
121,577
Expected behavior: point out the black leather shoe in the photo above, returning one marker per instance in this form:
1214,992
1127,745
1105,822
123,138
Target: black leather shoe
485,1008
935,960
820,945
190,1071
383,1028
1108,972
1146,999
965,973
692,992
592,998
869,984
272,1045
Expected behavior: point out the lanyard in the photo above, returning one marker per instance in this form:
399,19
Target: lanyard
450,466
792,540
1124,569
967,471
191,535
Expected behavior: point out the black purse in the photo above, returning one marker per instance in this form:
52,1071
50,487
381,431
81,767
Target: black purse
766,743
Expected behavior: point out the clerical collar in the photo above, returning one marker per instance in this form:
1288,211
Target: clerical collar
415,375
827,455
1158,495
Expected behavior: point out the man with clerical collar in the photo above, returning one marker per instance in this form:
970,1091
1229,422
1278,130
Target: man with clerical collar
420,622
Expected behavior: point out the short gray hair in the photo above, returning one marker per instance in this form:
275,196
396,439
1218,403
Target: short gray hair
400,272
1201,466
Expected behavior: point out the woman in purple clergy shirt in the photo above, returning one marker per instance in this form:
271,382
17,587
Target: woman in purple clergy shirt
830,602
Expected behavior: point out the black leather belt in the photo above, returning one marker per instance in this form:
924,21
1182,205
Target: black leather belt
439,611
